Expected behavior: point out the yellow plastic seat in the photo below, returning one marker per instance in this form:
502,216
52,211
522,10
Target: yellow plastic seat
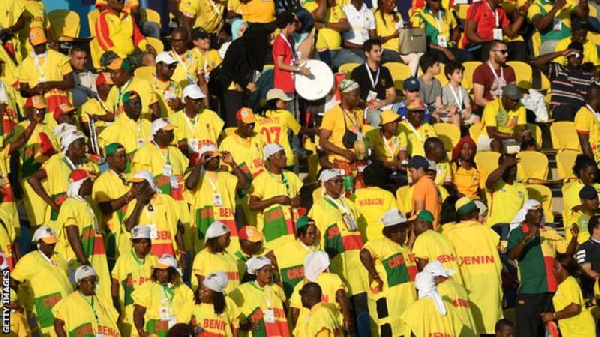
348,67
523,72
532,164
442,76
488,160
468,75
564,136
536,132
448,133
399,72
65,25
149,15
475,131
461,11
543,194
565,160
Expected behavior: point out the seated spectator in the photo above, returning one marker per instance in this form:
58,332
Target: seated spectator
467,176
430,87
569,84
504,121
376,83
362,26
587,124
553,20
580,217
487,22
436,153
455,97
85,80
388,23
579,29
387,143
442,32
586,171
490,78
505,196
411,89
417,131
329,40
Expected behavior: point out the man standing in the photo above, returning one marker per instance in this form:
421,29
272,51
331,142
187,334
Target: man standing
426,194
167,90
491,77
535,246
476,248
85,80
587,124
588,258
505,196
376,83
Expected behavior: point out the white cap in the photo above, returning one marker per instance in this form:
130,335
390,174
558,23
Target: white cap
165,58
216,229
62,129
141,232
83,272
432,165
436,268
392,218
271,149
329,174
257,263
208,148
167,261
68,138
193,91
45,233
216,281
315,263
161,123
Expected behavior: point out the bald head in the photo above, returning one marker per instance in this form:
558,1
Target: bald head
310,294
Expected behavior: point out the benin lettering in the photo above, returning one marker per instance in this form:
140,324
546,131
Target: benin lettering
468,260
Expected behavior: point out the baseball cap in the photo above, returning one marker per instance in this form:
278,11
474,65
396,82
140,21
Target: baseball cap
278,94
246,115
411,84
36,101
140,176
418,161
83,272
62,109
388,116
512,91
588,192
208,148
128,96
37,36
193,91
393,217
415,105
166,58
216,229
113,148
46,234
167,261
465,205
348,85
119,63
141,232
199,33
425,215
251,234
304,221
270,149
329,174
162,124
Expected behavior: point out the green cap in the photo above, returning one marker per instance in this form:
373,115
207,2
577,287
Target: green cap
425,215
466,208
303,221
129,96
113,148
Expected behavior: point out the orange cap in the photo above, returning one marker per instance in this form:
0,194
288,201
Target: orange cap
36,101
37,36
246,115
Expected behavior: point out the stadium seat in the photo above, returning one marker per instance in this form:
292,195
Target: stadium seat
532,165
149,15
461,11
468,76
442,76
523,72
488,160
399,72
475,131
565,160
448,133
564,136
543,194
348,67
536,132
65,25
403,196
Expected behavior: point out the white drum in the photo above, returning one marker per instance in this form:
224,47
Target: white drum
318,84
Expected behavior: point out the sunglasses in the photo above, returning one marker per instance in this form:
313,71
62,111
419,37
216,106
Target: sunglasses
502,51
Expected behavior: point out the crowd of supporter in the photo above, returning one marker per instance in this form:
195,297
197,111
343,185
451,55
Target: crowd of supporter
166,176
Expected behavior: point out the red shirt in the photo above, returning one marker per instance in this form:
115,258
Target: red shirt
485,20
282,79
492,87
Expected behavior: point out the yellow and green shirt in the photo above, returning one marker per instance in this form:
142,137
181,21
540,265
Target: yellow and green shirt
207,262
290,261
87,316
587,123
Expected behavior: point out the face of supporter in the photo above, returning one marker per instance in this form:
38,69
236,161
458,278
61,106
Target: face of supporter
416,172
104,89
391,126
281,104
164,137
310,236
265,274
67,118
410,95
437,151
467,152
334,186
40,48
500,52
179,40
141,186
506,331
434,4
389,5
575,60
116,5
534,217
46,248
590,203
579,35
88,285
588,174
119,76
212,162
250,247
203,44
457,76
245,130
509,103
118,161
420,226
77,148
374,54
205,294
142,246
415,117
86,188
133,108
79,60
224,240
162,275
165,71
149,60
351,98
278,159
242,29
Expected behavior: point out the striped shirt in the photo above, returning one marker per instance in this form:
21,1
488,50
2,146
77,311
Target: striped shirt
569,86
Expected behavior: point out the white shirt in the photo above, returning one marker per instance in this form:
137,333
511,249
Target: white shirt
361,21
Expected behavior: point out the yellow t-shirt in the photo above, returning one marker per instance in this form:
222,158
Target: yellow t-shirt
416,137
386,25
207,262
328,38
476,247
152,295
51,66
443,173
590,51
94,108
205,128
258,11
208,60
35,11
275,129
166,90
143,87
581,221
290,262
48,283
125,131
389,149
494,114
188,66
203,316
571,196
323,322
468,182
247,152
276,222
338,121
423,318
456,294
164,164
87,316
330,284
580,325
433,246
372,203
396,266
18,325
435,26
587,123
208,13
504,201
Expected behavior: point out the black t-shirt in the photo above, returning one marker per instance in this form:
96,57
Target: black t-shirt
360,75
589,252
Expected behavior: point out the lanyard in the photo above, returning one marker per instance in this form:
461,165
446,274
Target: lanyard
387,146
373,82
91,304
122,91
495,13
354,121
266,289
36,62
47,258
438,19
69,163
494,71
166,156
283,181
342,208
415,131
191,125
139,261
458,98
168,294
213,184
119,176
180,60
290,45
